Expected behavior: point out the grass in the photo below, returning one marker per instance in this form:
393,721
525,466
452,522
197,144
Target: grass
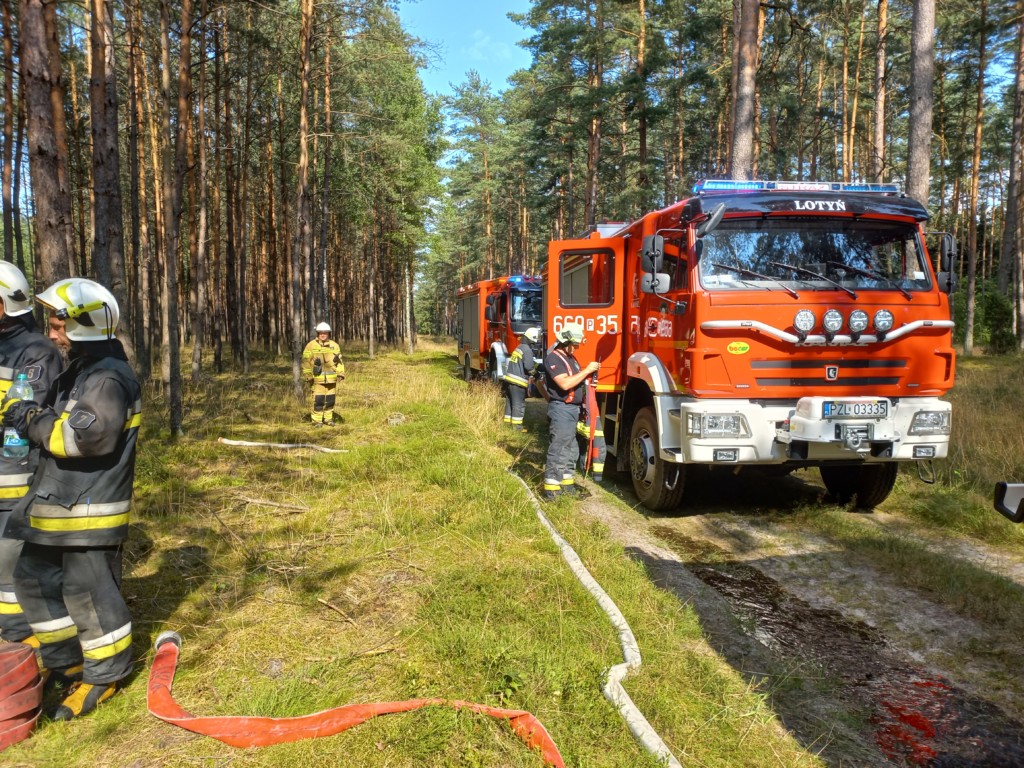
411,566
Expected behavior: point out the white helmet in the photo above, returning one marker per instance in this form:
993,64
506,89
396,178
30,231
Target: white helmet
89,310
532,335
323,328
571,333
14,290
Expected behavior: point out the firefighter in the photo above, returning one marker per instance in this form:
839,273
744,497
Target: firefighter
23,349
519,372
322,366
74,519
565,387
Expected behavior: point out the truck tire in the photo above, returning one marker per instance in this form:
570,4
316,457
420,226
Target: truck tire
492,370
651,474
871,484
467,369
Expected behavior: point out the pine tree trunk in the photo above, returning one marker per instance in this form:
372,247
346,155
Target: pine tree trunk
972,196
922,67
743,130
301,243
42,92
1011,235
7,15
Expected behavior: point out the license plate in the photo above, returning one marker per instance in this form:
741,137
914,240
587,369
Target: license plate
862,409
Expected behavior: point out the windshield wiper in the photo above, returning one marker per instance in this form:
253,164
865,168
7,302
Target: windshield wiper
871,275
812,273
756,275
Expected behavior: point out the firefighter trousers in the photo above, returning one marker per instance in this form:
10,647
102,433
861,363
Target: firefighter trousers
72,599
323,402
13,625
515,404
562,449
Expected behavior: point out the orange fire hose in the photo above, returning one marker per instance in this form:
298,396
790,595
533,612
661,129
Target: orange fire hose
21,693
241,731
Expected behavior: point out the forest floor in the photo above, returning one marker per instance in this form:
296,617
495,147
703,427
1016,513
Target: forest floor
859,667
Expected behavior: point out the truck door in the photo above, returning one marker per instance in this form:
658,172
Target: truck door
585,287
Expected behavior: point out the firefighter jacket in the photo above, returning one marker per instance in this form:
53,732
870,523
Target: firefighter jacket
556,363
322,362
520,366
87,433
24,350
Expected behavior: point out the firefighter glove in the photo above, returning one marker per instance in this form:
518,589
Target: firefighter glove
19,414
337,359
318,367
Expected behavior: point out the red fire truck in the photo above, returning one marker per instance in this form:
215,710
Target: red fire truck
766,324
491,316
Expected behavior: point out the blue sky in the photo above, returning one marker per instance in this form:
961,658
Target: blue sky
467,34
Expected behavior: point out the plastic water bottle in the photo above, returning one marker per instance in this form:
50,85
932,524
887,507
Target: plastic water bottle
16,446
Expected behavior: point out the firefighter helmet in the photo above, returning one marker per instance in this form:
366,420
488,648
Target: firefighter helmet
14,290
571,333
532,335
323,328
89,311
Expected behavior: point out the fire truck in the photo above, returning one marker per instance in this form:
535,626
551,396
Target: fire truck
491,316
770,324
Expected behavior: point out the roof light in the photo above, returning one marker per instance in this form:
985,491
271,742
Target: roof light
832,321
742,185
805,321
883,320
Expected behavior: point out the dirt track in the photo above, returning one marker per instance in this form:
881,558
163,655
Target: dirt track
859,669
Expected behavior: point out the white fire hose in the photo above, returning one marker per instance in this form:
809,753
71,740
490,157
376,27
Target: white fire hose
283,446
642,730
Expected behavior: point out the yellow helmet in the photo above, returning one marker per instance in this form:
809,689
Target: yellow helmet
89,310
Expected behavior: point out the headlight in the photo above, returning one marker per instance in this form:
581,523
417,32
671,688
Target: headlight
858,321
883,320
930,423
717,425
805,321
832,321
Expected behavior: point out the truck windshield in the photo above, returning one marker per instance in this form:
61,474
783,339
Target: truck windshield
802,254
526,307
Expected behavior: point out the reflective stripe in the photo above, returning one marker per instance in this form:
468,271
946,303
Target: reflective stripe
134,421
568,481
6,373
109,645
552,485
56,630
56,444
9,605
80,510
13,491
78,523
22,478
519,381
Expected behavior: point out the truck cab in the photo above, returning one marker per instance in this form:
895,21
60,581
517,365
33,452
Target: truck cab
772,324
492,314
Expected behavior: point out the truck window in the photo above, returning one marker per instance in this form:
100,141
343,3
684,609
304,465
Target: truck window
803,254
527,307
585,278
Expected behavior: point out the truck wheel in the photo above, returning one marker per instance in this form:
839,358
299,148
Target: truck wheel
871,484
467,370
658,485
493,371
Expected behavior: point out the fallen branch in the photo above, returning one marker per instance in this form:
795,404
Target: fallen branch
281,446
338,610
267,503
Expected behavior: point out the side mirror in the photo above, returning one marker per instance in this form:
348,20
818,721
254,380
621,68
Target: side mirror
1009,501
489,314
652,251
712,221
947,252
656,283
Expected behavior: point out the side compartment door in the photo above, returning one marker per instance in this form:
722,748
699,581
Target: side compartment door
585,286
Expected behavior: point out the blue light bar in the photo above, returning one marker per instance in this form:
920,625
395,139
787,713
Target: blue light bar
742,185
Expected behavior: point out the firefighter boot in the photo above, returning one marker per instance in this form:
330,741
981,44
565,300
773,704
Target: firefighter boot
83,699
60,680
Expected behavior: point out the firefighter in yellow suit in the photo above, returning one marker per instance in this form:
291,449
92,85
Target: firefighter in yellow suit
322,366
